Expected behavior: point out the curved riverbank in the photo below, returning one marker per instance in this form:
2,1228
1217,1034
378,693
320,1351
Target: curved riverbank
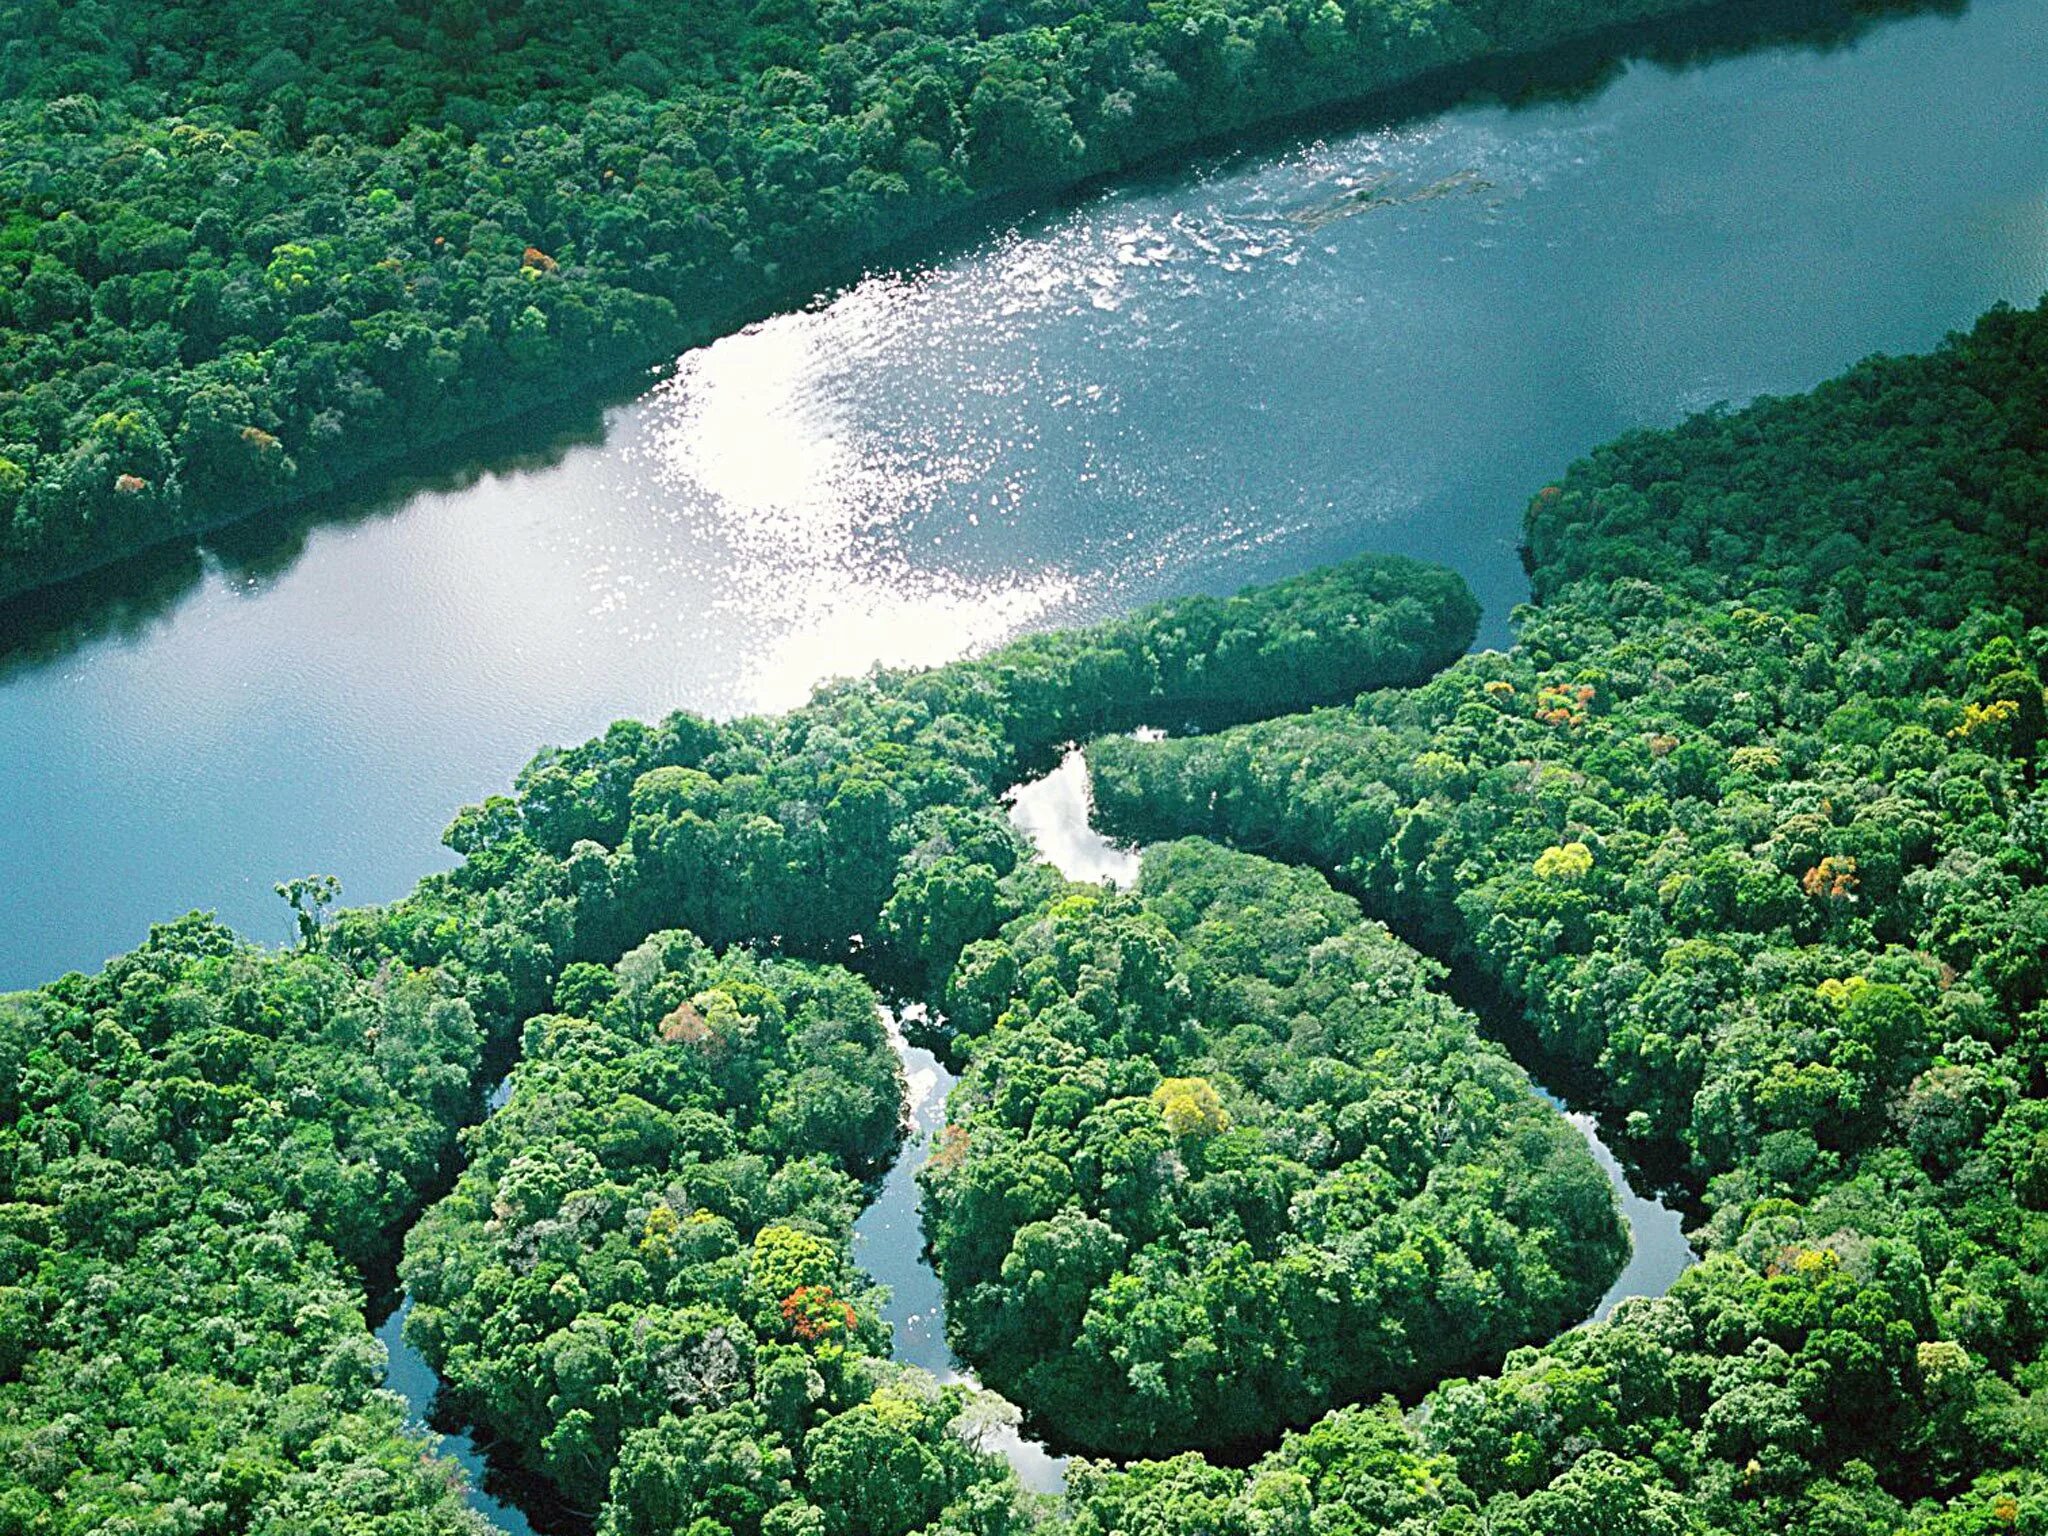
1175,386
408,1374
889,1244
621,321
512,1500
1055,813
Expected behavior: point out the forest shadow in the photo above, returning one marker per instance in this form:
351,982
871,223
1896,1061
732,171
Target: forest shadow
122,603
1563,74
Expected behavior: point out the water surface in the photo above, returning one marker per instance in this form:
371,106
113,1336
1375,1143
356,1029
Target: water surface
1384,337
408,1374
889,1243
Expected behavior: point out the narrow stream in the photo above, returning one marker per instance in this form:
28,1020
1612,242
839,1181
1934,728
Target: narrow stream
888,1242
409,1375
888,1239
1658,1251
413,1379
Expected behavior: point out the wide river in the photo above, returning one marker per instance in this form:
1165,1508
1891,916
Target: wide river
1384,337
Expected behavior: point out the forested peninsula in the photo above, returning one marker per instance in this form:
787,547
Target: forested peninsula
208,1149
1747,826
1222,1160
241,265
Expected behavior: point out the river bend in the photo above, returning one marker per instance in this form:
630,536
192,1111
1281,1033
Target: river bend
1384,334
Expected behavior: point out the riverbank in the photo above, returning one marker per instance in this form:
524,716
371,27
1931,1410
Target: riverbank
1617,816
400,415
1056,813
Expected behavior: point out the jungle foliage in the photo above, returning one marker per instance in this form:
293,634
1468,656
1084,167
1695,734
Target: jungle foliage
642,1280
1748,825
199,1148
205,1149
1223,1160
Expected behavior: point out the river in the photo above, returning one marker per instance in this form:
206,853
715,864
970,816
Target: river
1053,812
1385,335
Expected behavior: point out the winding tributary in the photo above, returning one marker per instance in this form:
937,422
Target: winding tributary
497,1492
1054,813
409,1375
889,1240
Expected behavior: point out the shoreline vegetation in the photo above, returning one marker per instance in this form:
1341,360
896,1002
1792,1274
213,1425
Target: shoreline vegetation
1748,823
237,277
1223,1158
208,1129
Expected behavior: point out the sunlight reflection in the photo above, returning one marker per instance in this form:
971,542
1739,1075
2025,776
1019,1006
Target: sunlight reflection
858,628
839,486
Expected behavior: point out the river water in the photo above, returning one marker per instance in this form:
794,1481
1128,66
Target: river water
1383,336
888,1242
409,1375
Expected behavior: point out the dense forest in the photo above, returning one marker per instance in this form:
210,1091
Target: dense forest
203,1148
1222,1160
644,1265
1747,826
208,1131
239,264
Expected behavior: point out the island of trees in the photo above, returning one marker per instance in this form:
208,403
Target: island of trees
1222,1161
1747,827
241,263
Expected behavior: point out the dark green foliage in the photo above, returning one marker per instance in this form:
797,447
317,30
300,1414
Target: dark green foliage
1225,1161
196,1146
202,1148
247,254
870,818
1749,825
644,1266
